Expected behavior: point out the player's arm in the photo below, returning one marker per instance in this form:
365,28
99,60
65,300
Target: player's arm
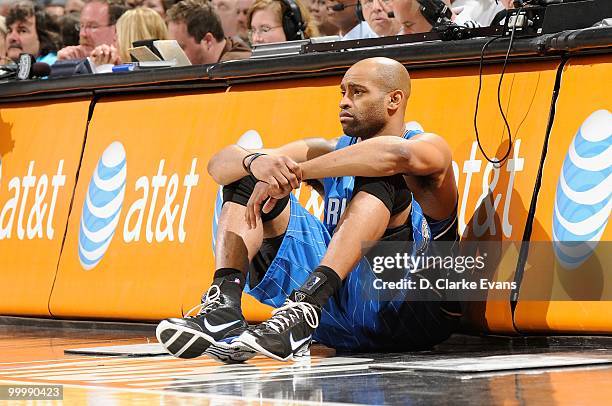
422,155
226,166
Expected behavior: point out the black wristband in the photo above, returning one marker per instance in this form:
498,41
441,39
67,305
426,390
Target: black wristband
245,158
248,166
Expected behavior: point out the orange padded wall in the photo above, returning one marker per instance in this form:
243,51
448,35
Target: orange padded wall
579,292
40,152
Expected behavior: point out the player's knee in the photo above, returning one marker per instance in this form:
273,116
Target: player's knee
390,190
240,191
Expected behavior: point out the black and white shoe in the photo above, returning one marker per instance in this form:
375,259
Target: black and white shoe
287,335
212,331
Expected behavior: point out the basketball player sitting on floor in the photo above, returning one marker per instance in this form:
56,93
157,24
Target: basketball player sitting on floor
392,184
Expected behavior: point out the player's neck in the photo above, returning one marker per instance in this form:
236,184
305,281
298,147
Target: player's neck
392,129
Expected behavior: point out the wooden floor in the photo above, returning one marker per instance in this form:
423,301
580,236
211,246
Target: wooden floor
35,355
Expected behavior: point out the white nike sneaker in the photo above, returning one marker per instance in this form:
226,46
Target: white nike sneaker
287,335
213,330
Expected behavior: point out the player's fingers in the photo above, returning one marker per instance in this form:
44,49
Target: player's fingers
291,178
256,213
247,213
260,193
273,186
295,168
283,182
269,205
249,208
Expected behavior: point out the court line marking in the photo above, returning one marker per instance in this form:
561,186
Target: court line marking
197,395
219,378
140,372
45,360
167,363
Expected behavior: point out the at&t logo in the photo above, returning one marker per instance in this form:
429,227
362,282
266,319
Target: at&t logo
584,192
102,206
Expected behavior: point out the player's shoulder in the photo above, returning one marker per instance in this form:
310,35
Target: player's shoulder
430,137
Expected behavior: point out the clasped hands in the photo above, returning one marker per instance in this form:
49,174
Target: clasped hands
277,176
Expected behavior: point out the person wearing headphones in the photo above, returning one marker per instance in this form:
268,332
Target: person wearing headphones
347,15
279,21
318,11
376,14
414,17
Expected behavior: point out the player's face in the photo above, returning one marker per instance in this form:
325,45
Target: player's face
362,107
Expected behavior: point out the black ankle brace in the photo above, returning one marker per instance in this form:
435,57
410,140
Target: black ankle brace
323,283
230,281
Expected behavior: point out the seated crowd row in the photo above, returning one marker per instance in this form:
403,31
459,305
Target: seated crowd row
207,31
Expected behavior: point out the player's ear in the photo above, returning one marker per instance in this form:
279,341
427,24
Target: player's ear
394,99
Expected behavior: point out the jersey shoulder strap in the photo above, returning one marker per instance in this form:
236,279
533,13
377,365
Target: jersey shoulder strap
411,133
345,141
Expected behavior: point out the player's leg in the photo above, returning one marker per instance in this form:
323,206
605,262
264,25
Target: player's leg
220,319
288,333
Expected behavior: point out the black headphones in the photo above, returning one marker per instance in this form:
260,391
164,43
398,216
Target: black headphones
358,9
434,11
293,23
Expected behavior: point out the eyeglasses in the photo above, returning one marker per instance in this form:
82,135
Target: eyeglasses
92,28
370,3
264,29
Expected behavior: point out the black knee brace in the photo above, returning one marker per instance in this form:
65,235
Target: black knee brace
240,192
391,190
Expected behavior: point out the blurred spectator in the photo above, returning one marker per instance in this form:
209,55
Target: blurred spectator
265,22
408,13
343,14
138,24
96,27
28,32
69,29
73,6
169,3
133,3
3,59
227,10
318,11
481,12
157,5
409,16
241,22
376,13
55,8
197,29
4,7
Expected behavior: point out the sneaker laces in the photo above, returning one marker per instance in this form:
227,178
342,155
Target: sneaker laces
211,301
289,312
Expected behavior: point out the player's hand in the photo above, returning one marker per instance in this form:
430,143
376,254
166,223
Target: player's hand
281,173
72,52
261,192
105,54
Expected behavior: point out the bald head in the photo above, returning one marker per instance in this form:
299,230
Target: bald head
374,98
387,74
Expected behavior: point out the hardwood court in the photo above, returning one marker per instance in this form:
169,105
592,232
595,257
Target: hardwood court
35,355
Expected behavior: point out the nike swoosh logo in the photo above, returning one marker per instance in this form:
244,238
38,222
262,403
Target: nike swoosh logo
296,344
220,327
